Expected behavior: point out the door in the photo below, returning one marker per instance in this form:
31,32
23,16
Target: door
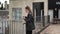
55,13
3,26
38,12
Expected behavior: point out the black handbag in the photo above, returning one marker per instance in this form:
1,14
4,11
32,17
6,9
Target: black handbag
32,23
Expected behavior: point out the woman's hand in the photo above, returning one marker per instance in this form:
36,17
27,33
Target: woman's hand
24,18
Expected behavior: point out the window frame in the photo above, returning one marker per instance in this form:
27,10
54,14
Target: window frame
15,17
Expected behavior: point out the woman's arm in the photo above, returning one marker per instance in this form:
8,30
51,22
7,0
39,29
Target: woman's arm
28,18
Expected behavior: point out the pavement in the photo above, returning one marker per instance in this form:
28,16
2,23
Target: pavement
52,29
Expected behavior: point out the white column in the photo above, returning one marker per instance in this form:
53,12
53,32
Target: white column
46,11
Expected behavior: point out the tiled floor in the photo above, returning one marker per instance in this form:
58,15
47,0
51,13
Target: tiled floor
52,29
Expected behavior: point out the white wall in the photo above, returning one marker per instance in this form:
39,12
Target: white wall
51,15
59,13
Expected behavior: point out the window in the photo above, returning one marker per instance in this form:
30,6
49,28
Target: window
17,14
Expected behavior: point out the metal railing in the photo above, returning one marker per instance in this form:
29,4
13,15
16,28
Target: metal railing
16,27
11,27
40,23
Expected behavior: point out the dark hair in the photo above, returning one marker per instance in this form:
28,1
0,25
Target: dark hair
28,8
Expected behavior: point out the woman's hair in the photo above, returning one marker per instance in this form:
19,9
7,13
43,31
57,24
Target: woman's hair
28,8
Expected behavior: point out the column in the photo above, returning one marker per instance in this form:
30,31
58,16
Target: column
46,11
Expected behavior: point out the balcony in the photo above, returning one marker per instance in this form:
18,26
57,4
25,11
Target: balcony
4,12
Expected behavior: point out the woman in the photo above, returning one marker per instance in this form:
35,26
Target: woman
29,21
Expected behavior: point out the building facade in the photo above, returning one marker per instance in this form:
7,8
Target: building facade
17,12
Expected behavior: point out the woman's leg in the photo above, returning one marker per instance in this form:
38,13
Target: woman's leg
28,32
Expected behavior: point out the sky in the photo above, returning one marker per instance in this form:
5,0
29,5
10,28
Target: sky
2,1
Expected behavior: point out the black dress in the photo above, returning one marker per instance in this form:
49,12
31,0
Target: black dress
29,23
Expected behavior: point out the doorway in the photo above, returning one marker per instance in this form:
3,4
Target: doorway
38,9
38,13
55,13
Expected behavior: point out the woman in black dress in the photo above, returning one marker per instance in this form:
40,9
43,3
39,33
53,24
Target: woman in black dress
29,21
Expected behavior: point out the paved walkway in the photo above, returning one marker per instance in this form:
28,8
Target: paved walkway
52,29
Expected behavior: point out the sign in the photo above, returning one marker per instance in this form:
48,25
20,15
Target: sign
57,2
